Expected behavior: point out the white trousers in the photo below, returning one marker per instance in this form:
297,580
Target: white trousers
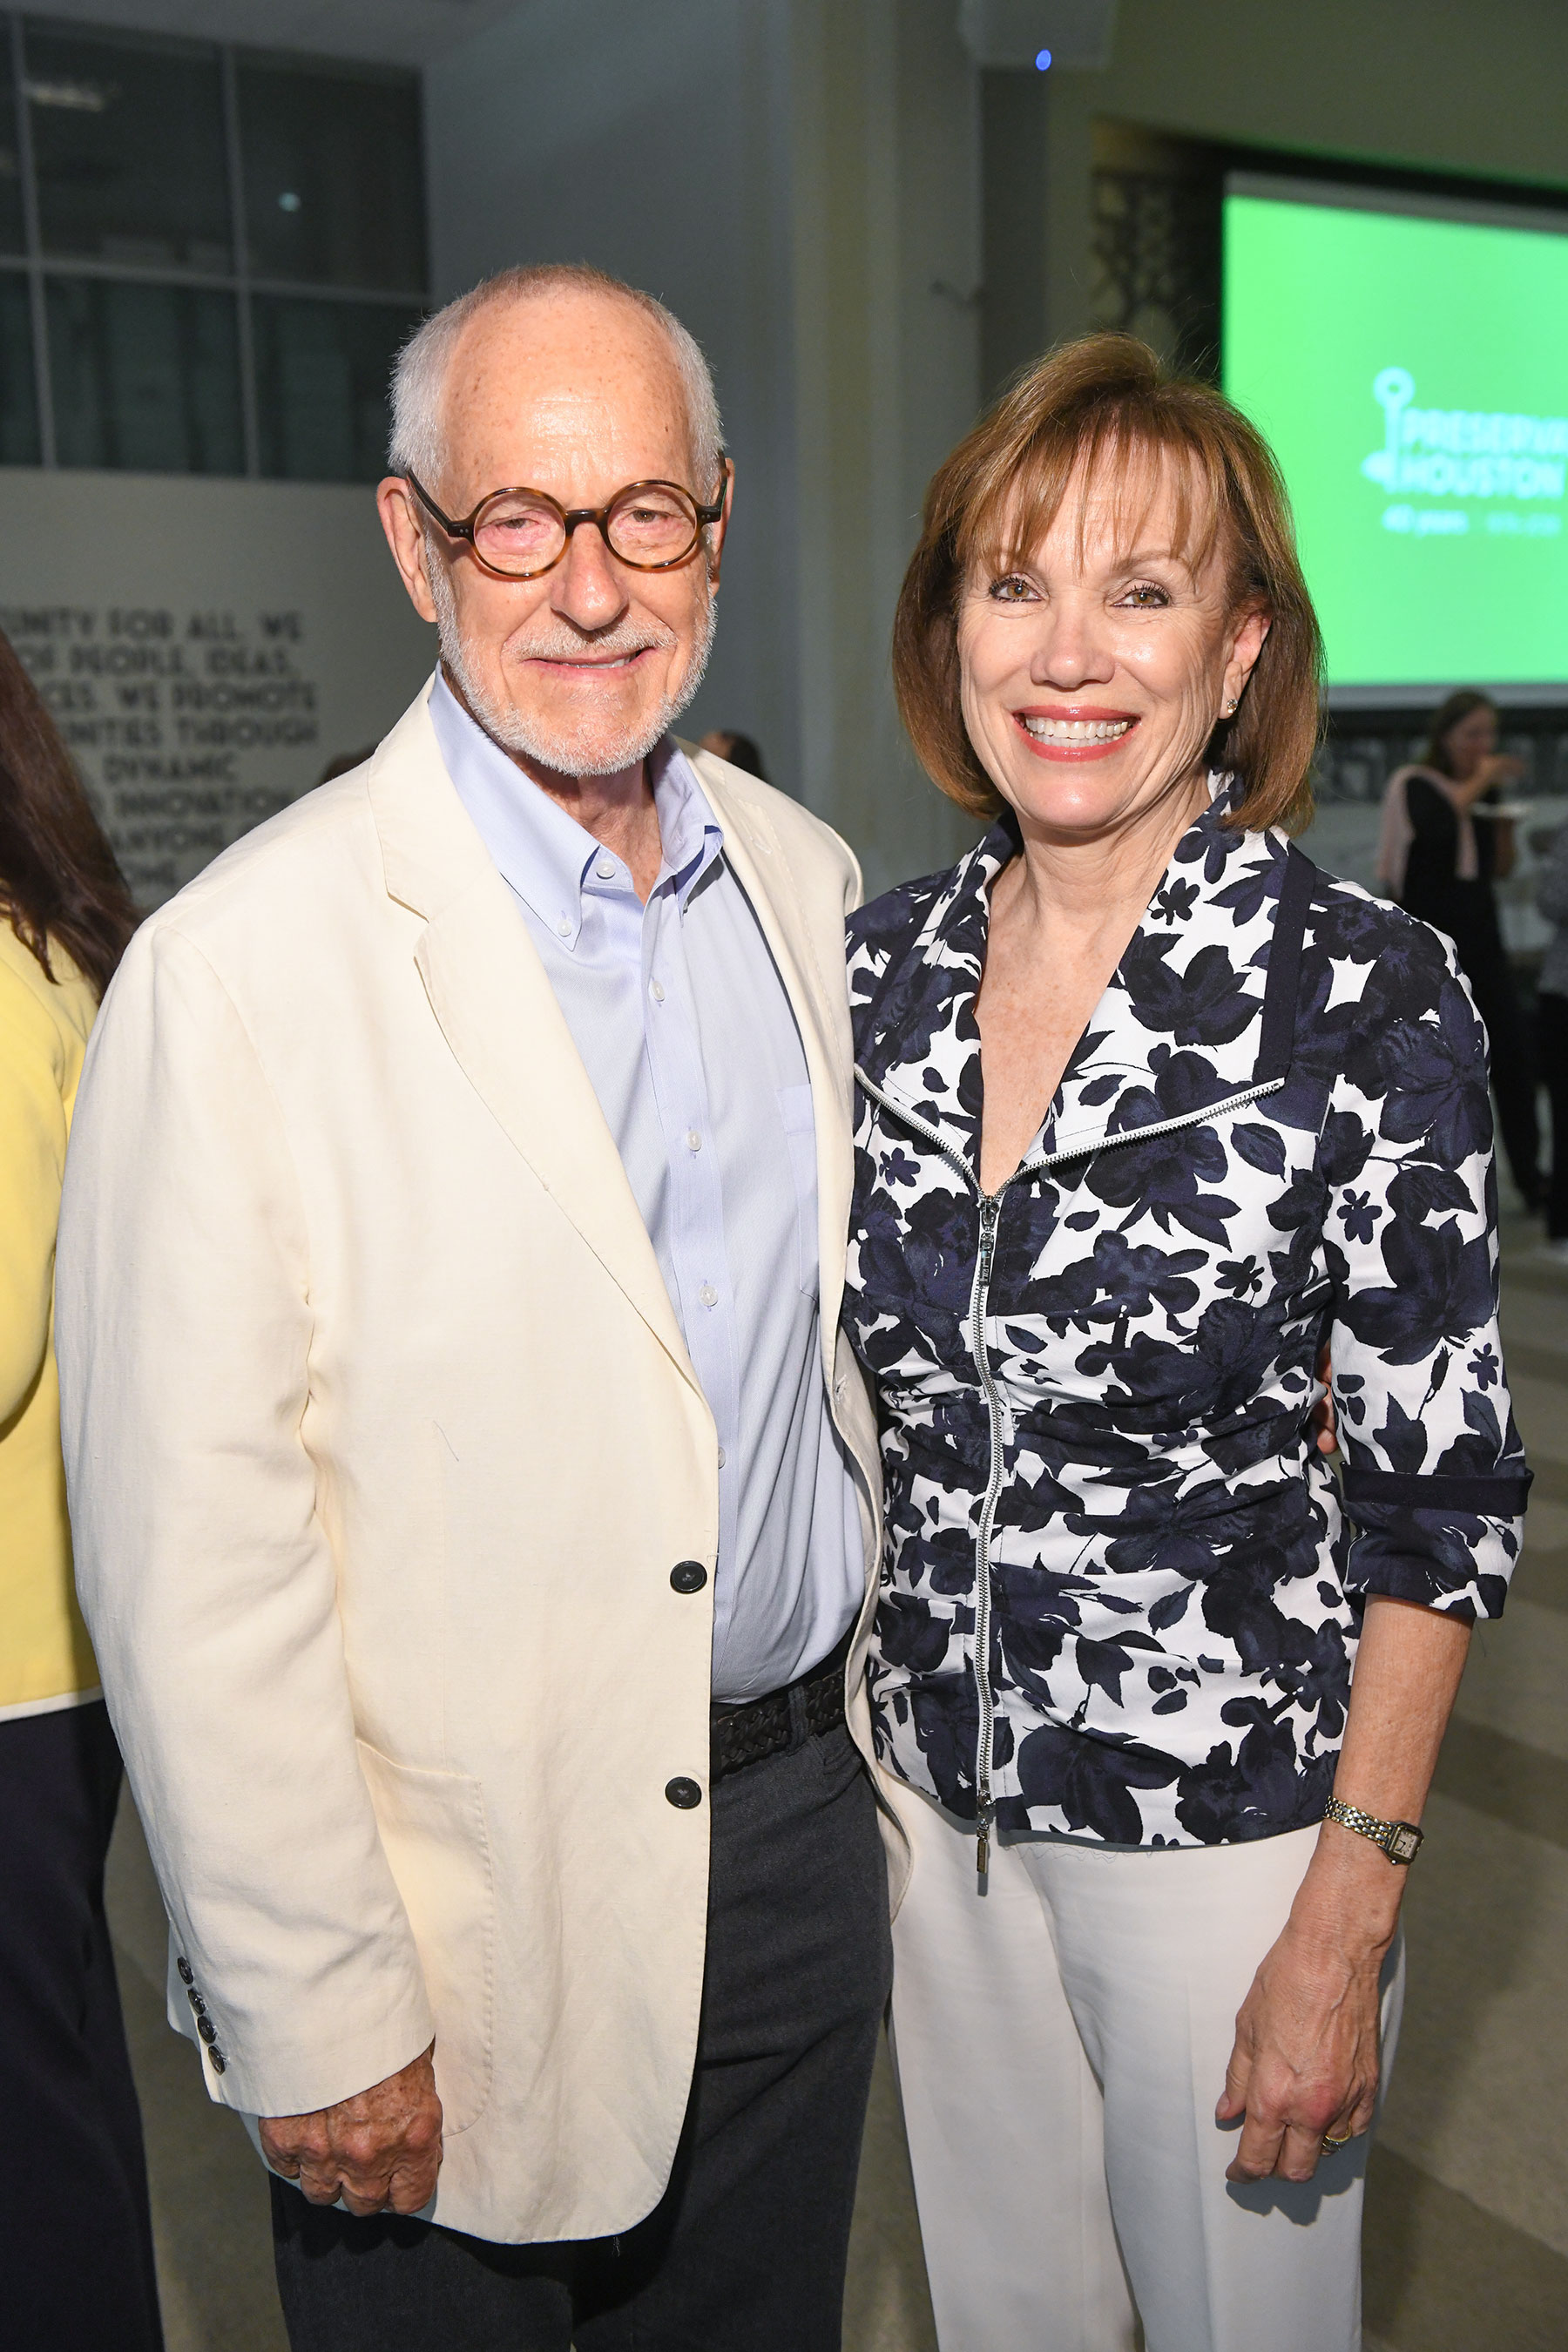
1060,2043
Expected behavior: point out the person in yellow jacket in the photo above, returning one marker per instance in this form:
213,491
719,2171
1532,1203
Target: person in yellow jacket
78,2241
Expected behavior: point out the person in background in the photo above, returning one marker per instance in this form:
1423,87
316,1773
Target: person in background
741,750
76,2177
1439,851
1552,1030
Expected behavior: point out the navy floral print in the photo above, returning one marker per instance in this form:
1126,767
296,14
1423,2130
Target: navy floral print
1095,1387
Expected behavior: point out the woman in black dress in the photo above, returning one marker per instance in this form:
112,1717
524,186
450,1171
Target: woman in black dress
1442,848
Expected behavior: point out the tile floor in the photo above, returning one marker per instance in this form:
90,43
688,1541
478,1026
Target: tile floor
1467,2241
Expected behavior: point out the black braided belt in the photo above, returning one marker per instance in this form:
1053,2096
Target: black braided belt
767,1727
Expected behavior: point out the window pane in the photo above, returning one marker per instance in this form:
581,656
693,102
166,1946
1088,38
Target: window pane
128,141
145,377
11,237
321,376
334,174
18,395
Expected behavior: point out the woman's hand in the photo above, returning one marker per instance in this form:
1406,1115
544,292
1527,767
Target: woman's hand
1305,2061
1497,768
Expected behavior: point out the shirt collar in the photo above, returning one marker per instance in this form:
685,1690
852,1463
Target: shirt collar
545,856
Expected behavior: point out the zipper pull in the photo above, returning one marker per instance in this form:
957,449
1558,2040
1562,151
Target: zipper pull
983,1847
990,1210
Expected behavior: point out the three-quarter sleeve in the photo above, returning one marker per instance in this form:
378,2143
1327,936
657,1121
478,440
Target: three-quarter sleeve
1435,1481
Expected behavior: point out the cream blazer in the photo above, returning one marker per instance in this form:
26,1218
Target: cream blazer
382,1442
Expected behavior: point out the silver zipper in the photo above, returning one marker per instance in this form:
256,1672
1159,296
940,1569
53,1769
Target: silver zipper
998,1414
990,1214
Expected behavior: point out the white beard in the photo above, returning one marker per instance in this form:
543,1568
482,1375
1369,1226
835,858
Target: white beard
586,747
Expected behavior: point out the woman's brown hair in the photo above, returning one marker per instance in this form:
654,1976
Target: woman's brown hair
1107,399
1462,704
59,880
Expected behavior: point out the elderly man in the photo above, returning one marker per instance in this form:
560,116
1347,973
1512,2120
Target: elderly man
475,1506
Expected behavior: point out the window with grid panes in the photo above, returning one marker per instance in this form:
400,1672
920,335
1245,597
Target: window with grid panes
209,256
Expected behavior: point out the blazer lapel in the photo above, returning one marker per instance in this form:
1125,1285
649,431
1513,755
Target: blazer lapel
492,998
821,1007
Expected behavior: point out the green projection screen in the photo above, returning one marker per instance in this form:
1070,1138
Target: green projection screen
1410,368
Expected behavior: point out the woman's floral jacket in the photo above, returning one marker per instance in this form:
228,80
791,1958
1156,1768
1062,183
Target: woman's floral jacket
1122,1589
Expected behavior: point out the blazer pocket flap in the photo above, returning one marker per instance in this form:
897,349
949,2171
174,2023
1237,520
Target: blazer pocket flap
433,1830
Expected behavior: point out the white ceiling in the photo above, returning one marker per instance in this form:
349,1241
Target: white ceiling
398,32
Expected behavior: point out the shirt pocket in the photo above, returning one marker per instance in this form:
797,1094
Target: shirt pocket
799,1121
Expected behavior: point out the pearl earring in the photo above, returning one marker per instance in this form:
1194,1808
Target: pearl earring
1229,708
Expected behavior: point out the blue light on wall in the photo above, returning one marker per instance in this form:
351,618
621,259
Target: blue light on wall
1042,61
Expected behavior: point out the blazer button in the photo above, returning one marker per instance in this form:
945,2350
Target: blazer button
689,1576
187,1975
206,2029
217,2061
198,2003
683,1794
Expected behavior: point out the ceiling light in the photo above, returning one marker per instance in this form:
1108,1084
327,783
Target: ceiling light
71,97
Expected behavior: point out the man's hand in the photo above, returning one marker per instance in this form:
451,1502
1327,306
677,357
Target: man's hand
381,2148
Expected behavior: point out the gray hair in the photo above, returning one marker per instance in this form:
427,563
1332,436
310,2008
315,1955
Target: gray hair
418,379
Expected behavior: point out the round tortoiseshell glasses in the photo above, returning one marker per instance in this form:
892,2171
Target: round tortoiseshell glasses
519,534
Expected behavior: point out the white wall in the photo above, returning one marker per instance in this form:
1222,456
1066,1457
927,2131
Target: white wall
207,646
653,142
798,179
885,226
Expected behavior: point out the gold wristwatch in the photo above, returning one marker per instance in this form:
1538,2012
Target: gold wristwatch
1400,1841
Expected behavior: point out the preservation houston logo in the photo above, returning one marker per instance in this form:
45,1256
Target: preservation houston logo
1463,453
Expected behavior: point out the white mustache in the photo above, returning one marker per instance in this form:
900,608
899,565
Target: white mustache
614,646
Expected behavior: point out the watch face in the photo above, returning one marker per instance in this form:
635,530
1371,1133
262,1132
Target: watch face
1404,1842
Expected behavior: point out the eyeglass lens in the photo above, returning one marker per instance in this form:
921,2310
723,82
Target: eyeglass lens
518,533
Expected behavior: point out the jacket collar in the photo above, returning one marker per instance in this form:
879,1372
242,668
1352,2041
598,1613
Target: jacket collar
498,1014
492,998
1181,1030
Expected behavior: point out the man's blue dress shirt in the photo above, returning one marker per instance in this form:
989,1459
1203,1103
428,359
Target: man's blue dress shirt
680,1017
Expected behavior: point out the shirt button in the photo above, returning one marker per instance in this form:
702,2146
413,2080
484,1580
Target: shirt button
217,2061
693,1140
687,1576
723,1457
605,869
707,1295
683,1794
206,2029
184,1967
656,990
563,929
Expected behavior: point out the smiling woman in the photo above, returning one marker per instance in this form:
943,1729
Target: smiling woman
1000,493
1156,1123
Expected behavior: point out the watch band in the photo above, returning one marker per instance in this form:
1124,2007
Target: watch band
1400,1841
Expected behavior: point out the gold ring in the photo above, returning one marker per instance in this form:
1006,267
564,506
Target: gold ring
1330,2144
